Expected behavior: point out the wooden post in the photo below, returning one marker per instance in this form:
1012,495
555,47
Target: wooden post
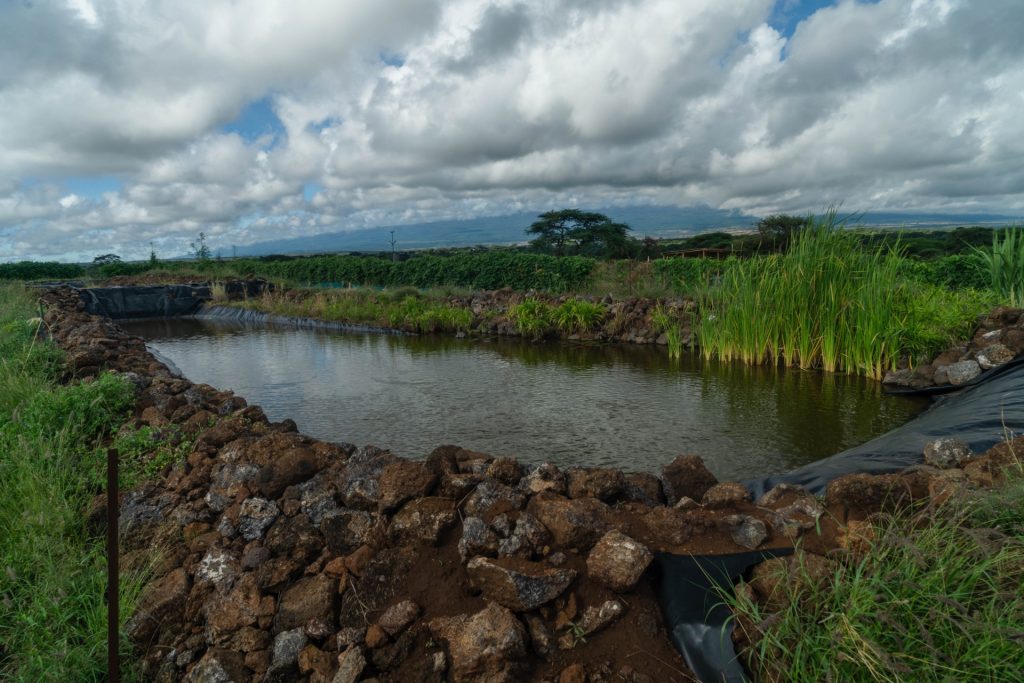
113,600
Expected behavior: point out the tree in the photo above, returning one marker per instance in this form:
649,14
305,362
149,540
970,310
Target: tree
152,256
575,231
106,259
776,231
200,250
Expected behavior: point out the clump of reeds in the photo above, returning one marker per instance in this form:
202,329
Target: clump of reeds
826,303
1005,264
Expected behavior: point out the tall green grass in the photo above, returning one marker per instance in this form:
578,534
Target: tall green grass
1005,265
52,573
826,303
938,599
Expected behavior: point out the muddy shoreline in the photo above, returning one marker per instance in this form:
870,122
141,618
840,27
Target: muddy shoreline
286,558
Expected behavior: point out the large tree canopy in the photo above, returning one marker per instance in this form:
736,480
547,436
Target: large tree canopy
571,231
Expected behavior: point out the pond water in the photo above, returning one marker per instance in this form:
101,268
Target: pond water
601,406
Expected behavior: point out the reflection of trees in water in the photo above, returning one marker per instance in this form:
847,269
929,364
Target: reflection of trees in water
816,413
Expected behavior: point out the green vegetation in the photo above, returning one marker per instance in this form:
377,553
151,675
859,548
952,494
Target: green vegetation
576,316
52,572
828,303
571,231
665,323
402,309
1005,265
937,598
532,317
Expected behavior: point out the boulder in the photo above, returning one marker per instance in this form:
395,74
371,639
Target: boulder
477,538
993,356
746,531
506,470
726,494
402,481
491,498
398,617
160,603
576,523
360,483
351,663
255,516
686,476
310,598
866,493
423,519
348,529
284,662
489,646
545,477
947,452
959,373
618,561
294,466
603,484
779,580
526,539
519,585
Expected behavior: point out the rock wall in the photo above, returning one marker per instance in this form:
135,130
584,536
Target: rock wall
998,338
282,558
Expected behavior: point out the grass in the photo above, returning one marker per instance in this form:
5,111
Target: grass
1005,265
576,316
532,317
52,573
935,599
403,308
664,322
827,303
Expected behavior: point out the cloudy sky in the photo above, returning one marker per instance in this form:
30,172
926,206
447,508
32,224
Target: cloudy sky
124,122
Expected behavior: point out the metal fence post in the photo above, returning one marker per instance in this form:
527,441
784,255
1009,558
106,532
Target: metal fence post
113,600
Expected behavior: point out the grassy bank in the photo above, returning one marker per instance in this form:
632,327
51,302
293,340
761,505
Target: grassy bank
52,571
939,598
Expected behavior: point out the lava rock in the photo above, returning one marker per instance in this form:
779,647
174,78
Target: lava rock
726,494
947,452
477,539
545,477
526,539
402,481
993,356
491,495
398,617
423,519
686,476
255,516
618,561
310,598
746,531
487,646
576,523
521,585
960,373
603,484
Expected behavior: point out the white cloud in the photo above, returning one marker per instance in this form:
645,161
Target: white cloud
495,107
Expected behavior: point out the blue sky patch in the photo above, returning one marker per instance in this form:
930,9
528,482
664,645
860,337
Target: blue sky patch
309,190
255,121
787,14
392,58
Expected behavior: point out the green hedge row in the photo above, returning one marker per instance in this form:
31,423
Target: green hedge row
477,271
40,270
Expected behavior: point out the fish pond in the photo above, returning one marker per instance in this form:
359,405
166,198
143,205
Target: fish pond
571,404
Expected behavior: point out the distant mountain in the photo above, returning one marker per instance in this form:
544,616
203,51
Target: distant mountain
653,221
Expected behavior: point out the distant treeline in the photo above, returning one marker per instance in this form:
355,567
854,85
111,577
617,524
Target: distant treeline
940,257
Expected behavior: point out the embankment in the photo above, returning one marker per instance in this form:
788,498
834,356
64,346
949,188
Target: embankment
286,558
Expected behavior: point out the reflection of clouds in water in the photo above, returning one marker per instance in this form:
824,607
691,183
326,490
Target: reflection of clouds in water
574,405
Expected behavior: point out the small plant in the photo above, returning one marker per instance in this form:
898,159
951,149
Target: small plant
218,292
532,318
664,322
577,316
578,633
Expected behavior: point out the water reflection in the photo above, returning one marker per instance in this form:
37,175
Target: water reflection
628,407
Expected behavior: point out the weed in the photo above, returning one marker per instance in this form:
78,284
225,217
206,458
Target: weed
1005,265
532,318
577,316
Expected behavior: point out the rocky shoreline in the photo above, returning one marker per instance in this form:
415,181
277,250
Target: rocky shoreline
280,557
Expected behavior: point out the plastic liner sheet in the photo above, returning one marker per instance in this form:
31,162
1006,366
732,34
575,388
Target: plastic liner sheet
981,414
155,301
690,594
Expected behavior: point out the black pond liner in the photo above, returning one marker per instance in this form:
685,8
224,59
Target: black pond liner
981,413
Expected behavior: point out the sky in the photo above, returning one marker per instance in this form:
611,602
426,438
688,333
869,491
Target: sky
128,123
